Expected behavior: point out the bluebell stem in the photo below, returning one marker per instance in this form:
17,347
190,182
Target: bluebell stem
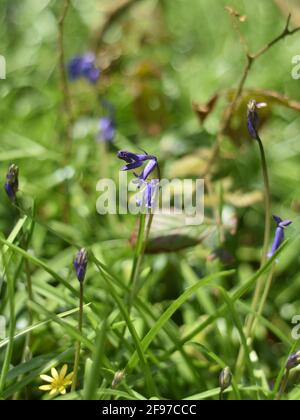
279,234
80,264
84,66
135,161
12,182
107,129
293,361
252,117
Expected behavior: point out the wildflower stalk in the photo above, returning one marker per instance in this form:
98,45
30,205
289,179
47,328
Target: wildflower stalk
292,362
66,104
12,326
263,298
29,289
140,251
260,283
78,344
283,385
64,81
249,327
267,196
80,265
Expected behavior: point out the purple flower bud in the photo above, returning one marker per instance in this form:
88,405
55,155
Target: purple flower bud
12,182
84,66
136,161
279,234
80,264
293,360
107,129
252,117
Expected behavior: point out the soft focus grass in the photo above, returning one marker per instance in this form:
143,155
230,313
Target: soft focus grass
186,322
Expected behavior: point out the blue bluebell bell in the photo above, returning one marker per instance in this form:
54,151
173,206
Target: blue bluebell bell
12,182
151,165
135,161
279,234
252,117
84,66
107,129
149,193
80,264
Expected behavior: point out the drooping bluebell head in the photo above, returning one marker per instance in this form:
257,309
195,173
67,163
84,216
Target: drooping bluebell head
12,182
279,234
149,193
80,264
107,129
293,361
252,117
84,66
151,165
135,161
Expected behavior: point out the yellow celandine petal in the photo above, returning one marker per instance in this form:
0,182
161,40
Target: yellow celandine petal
67,383
58,382
63,372
54,373
45,387
69,377
46,378
54,391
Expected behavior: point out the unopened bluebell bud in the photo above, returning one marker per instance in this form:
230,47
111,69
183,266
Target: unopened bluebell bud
80,264
225,378
252,117
293,360
12,182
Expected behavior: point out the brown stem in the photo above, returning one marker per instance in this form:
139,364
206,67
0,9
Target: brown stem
64,82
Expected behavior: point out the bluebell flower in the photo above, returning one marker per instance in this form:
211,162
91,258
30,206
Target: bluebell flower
279,234
84,66
12,182
151,165
107,129
135,161
149,193
252,117
80,264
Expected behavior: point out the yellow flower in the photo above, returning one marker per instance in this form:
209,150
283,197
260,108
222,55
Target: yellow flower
58,382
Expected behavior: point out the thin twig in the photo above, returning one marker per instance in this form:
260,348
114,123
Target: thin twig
251,58
112,16
64,82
